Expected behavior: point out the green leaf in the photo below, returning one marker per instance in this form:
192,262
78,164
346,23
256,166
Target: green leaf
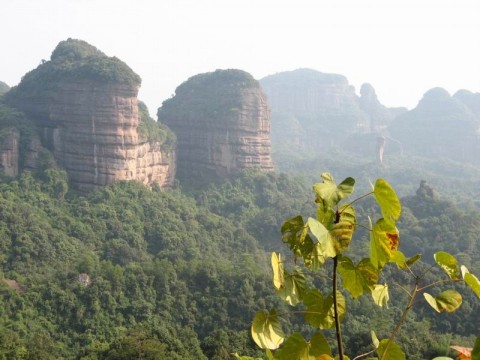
399,259
471,280
375,341
357,279
388,201
342,231
294,287
329,194
325,214
293,233
380,294
394,352
296,348
325,240
448,263
278,271
267,330
449,301
413,259
442,358
320,310
384,241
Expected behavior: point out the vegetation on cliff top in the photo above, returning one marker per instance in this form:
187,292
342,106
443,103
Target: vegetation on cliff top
74,60
212,94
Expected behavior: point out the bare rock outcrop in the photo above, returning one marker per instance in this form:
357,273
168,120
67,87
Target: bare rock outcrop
85,106
222,123
9,152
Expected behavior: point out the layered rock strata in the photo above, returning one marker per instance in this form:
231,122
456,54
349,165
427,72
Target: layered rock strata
90,123
222,123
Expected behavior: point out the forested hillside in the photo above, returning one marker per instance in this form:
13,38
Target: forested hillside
129,270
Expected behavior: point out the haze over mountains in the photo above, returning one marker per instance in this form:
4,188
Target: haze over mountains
84,105
173,264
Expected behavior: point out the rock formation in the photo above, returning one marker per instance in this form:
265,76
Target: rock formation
9,152
313,112
440,126
222,123
85,106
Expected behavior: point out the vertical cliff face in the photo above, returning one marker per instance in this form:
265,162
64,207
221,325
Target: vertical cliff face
222,123
85,106
313,112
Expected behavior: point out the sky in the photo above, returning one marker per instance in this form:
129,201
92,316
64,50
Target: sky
401,47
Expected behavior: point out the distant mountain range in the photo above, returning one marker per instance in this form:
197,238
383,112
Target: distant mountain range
80,109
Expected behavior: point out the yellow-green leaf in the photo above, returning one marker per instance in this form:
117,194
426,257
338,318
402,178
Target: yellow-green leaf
278,272
448,263
297,348
384,241
399,259
394,352
357,279
325,240
329,194
293,233
448,301
267,330
375,341
387,199
294,287
342,231
471,280
320,311
380,294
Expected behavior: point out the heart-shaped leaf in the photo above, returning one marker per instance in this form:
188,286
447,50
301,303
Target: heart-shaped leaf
267,330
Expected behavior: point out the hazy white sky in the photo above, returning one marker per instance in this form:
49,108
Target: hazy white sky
402,47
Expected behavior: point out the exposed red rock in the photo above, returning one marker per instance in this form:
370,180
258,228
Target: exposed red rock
222,123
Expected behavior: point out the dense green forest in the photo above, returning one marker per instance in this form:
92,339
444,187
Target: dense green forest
179,274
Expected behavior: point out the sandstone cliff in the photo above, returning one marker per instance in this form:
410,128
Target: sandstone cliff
86,109
313,112
222,123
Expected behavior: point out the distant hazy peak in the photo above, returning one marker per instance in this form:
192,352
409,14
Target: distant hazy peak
305,75
3,87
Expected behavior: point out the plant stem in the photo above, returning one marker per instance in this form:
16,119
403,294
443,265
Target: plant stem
335,310
402,319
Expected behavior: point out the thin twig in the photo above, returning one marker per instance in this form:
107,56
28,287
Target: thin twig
335,310
438,283
366,354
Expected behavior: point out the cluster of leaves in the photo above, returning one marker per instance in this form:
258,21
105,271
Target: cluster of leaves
315,241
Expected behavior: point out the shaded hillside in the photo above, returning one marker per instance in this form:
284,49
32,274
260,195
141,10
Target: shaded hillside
84,105
441,126
313,112
222,123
